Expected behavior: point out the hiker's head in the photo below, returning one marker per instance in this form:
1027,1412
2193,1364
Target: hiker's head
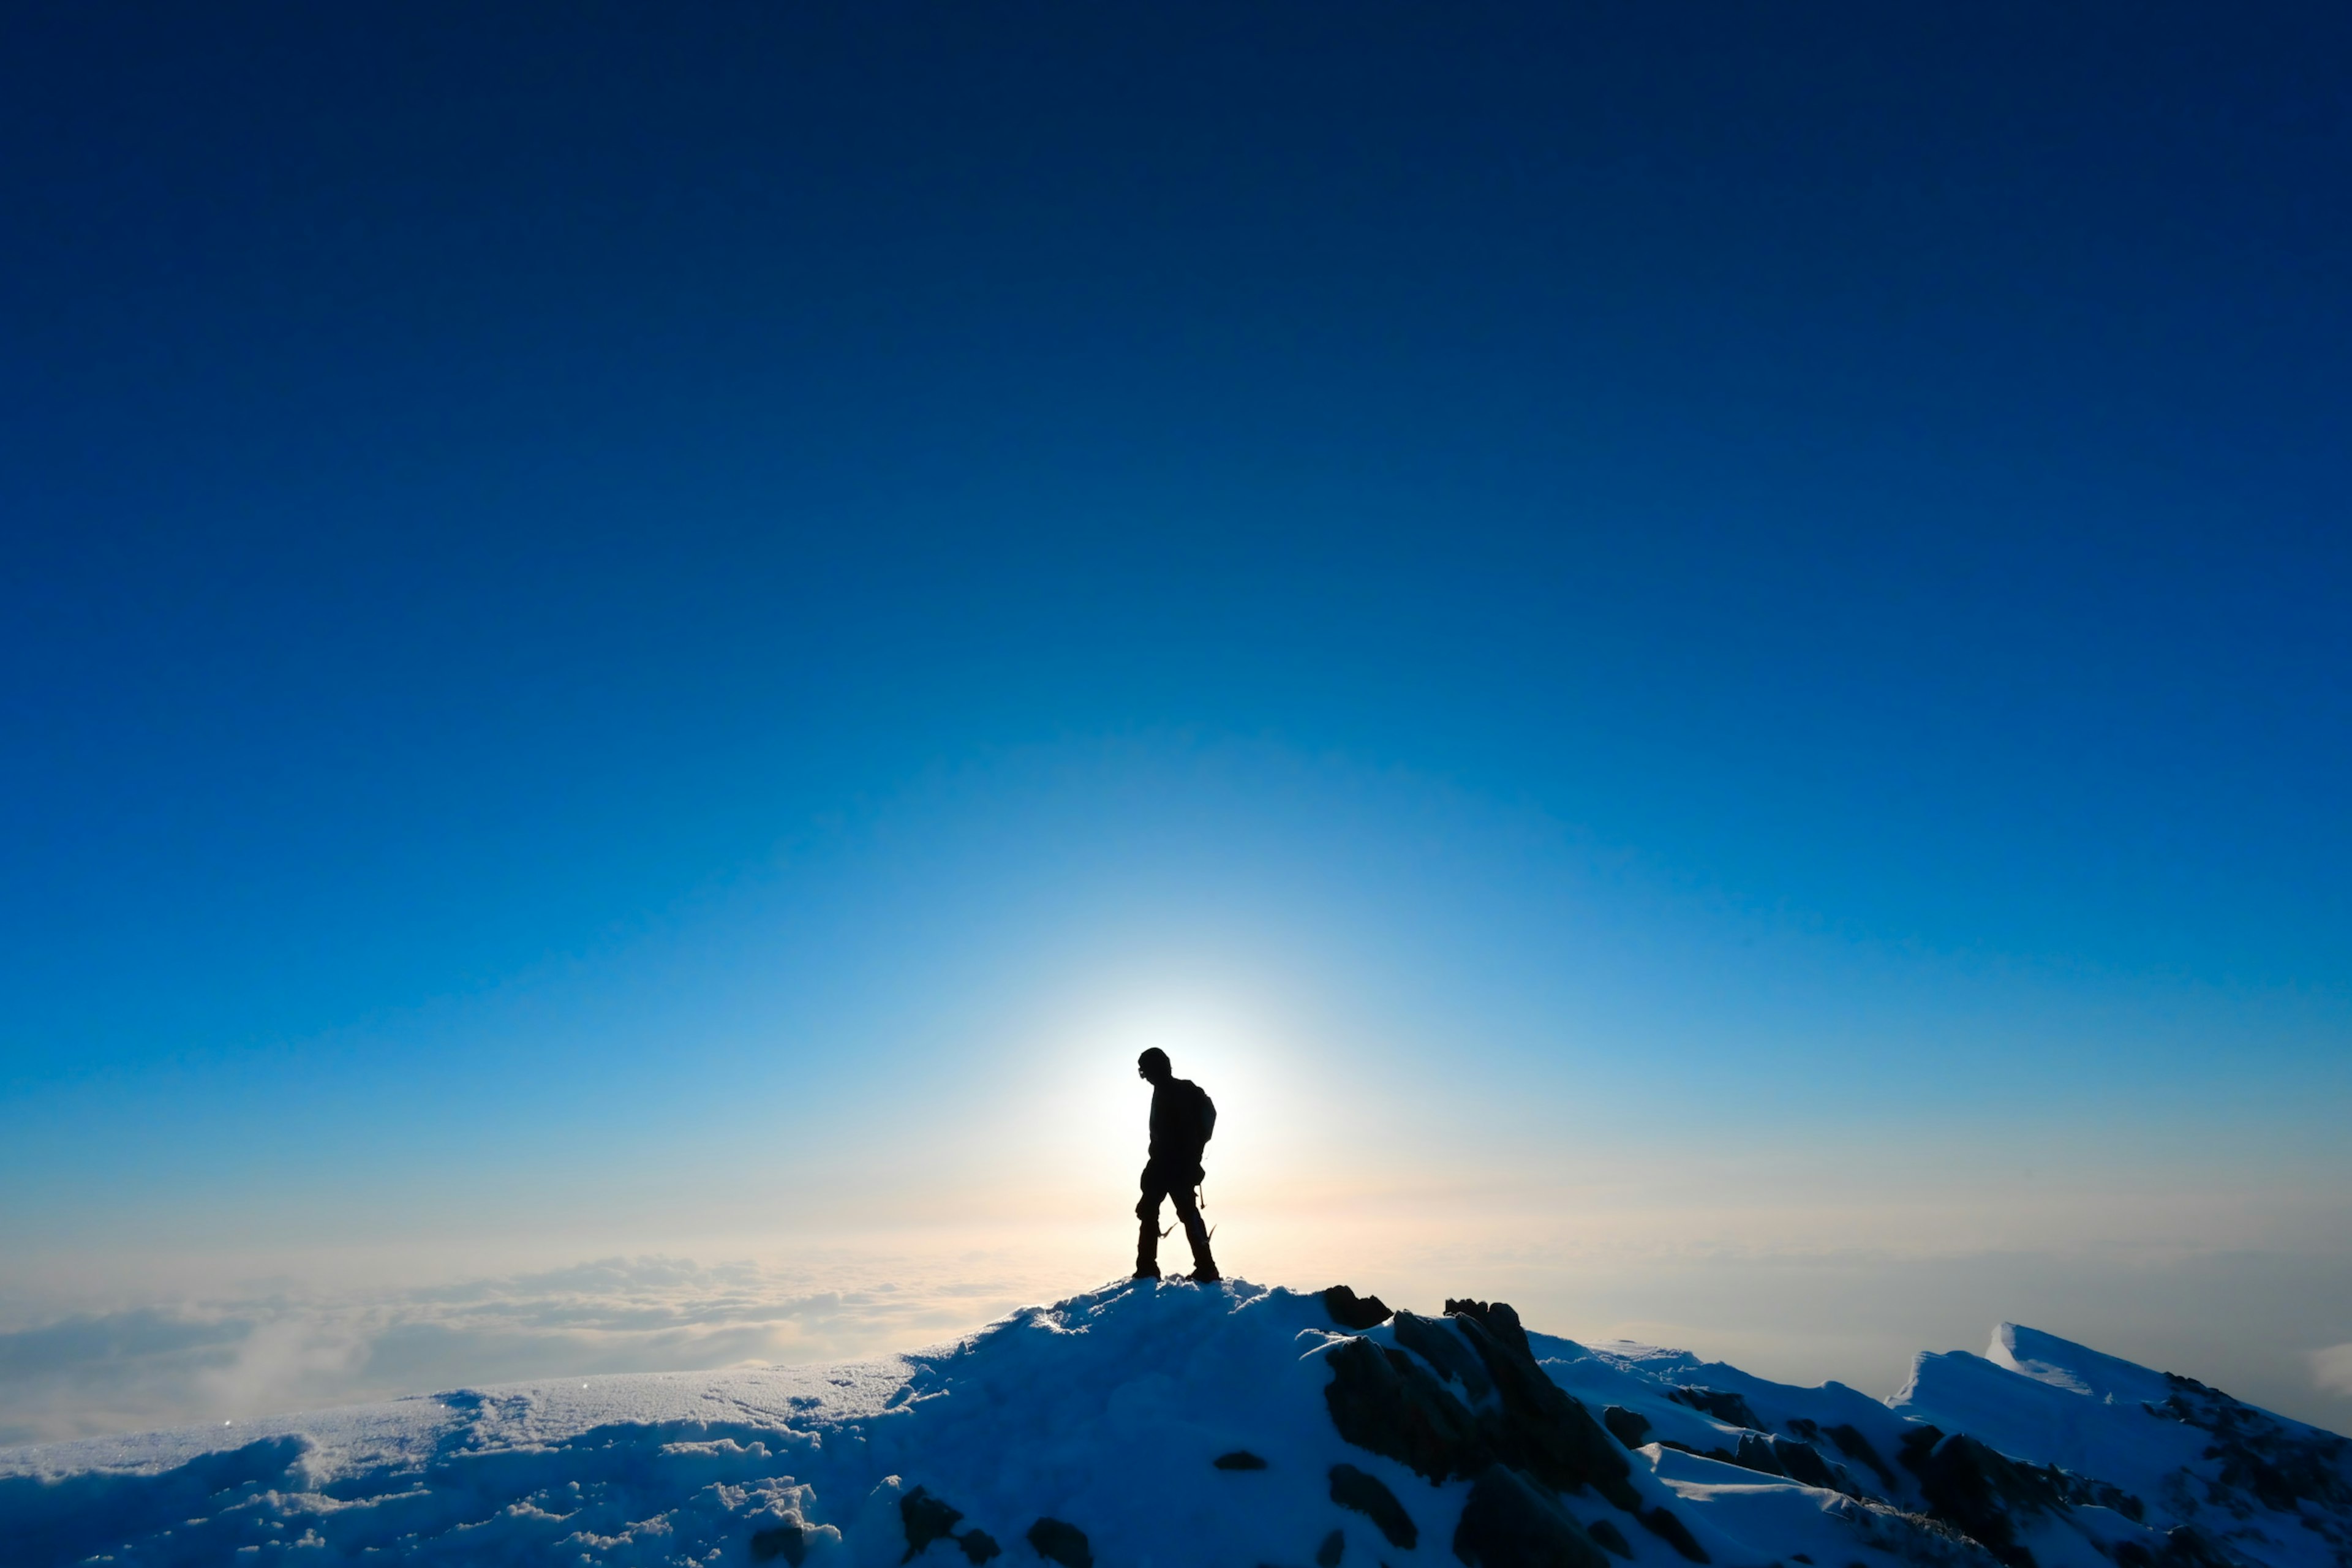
1153,1065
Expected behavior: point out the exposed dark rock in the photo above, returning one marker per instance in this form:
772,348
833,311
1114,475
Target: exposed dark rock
1061,1543
1662,1524
1608,1538
1386,1401
1499,1319
1855,1446
1353,1312
1725,1455
1976,1490
926,1519
789,1541
1508,1524
978,1545
1541,1429
1369,1496
2260,1455
1630,1427
1435,1340
2186,1546
1719,1403
1755,1453
1239,1459
1334,1547
1802,1462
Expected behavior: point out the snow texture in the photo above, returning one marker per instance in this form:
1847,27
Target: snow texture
1156,1424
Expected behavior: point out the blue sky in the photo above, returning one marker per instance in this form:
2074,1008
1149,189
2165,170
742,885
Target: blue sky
627,629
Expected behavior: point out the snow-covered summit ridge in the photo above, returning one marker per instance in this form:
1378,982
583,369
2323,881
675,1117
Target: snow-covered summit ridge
1157,1424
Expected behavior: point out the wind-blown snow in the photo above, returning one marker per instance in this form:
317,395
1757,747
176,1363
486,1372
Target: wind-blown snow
1108,1412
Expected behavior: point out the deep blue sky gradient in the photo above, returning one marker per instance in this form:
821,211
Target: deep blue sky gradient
474,477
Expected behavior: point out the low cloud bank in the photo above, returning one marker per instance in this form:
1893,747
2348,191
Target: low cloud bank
206,1361
2241,1322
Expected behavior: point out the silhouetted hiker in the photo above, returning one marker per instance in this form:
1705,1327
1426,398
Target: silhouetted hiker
1183,1117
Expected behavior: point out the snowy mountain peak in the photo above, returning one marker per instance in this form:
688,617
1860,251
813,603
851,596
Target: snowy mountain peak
2078,1369
1160,1424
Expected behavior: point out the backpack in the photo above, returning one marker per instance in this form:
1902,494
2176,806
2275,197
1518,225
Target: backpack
1207,1110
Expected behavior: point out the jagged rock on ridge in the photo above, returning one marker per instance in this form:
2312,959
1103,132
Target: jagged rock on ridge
1630,1427
1855,1446
1497,1318
1369,1496
1803,1463
1508,1524
1334,1547
1384,1401
1057,1541
1722,1406
1353,1312
1608,1538
788,1542
1660,1522
2258,1453
1436,1341
1542,1429
979,1546
1979,1491
1239,1459
925,1519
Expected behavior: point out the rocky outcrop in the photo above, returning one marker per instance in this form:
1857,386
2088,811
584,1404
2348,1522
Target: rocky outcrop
1353,1312
1520,1438
1368,1495
1630,1427
1715,1401
1541,1429
1239,1459
2260,1456
925,1519
1662,1523
1389,1403
1979,1491
1608,1538
1436,1341
1496,1317
782,1542
1803,1463
1058,1542
1855,1446
1508,1523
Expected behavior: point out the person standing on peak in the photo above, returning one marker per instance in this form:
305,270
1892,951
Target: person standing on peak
1182,1118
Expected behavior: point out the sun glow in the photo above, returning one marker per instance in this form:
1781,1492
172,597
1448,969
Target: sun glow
1086,1080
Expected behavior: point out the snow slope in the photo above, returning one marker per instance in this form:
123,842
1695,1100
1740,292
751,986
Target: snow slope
1164,1423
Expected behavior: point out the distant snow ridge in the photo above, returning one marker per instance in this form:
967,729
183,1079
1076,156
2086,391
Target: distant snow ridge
1163,1424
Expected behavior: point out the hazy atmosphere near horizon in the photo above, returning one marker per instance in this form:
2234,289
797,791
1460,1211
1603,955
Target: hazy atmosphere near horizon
1698,657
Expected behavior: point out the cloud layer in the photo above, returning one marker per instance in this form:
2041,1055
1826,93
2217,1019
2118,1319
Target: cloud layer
230,1359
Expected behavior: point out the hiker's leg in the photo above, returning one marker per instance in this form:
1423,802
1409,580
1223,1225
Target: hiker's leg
1196,1230
1147,1235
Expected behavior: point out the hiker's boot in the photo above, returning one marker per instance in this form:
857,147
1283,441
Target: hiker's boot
1204,1267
